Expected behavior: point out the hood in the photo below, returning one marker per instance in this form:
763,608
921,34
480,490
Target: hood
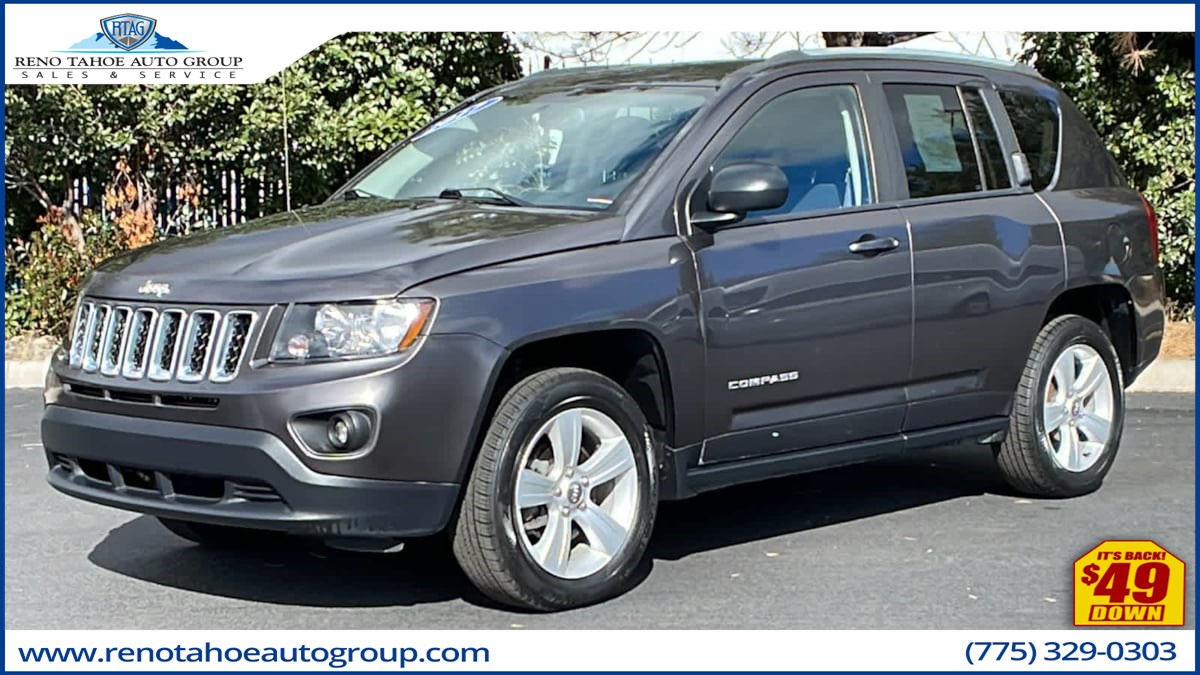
356,249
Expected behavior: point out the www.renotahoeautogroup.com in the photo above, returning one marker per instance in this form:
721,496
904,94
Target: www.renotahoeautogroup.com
333,657
49,68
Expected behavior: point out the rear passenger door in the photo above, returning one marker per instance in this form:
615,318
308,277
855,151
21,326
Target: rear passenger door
987,252
807,330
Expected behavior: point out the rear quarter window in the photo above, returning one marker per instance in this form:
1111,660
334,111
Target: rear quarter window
1035,121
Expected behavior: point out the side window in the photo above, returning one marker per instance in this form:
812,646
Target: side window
935,140
991,157
1035,121
816,137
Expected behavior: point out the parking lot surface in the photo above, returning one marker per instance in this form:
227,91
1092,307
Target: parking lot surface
930,540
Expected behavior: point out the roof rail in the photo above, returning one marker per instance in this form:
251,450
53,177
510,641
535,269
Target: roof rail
787,56
901,51
546,71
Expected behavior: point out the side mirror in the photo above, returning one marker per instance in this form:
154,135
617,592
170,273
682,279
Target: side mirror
737,189
1021,170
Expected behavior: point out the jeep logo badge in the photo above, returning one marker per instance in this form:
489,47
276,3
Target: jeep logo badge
154,288
575,493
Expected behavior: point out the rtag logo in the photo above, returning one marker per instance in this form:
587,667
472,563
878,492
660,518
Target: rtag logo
128,31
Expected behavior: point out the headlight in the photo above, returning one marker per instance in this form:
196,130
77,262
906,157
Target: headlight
350,330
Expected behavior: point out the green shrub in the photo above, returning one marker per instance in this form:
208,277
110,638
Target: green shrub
1138,89
48,268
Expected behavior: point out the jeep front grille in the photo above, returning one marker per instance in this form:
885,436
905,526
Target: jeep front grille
160,344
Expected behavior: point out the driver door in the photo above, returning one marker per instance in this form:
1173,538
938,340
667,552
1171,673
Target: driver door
808,336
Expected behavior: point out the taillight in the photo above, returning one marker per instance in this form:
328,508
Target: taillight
1152,223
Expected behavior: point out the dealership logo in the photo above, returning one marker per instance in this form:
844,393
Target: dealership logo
128,31
127,49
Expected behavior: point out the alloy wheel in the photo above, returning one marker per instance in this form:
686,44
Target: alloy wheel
1077,408
576,496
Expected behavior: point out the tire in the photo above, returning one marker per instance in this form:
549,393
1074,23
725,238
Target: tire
510,552
1040,462
220,536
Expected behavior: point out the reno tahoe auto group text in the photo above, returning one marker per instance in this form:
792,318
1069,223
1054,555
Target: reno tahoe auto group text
151,67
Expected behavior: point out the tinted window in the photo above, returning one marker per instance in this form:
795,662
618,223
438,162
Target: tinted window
816,137
935,141
1035,121
995,171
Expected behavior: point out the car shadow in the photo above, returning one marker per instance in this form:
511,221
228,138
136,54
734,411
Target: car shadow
766,509
303,574
287,572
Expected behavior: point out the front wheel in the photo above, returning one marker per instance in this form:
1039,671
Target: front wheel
559,507
1068,412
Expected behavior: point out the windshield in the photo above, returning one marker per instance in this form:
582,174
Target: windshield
576,149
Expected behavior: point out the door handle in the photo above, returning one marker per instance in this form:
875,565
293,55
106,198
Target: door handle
870,245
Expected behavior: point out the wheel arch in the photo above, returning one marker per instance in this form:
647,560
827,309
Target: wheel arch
1109,305
633,357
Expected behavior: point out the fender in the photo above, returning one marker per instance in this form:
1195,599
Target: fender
646,285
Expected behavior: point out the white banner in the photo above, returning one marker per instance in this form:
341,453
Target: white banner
241,44
603,650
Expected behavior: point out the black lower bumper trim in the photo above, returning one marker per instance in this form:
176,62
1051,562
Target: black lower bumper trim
228,476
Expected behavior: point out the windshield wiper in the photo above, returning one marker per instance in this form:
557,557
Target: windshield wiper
359,193
497,198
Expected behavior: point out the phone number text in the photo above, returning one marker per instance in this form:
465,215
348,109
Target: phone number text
1030,652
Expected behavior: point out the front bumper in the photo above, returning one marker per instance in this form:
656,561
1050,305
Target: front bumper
429,408
228,476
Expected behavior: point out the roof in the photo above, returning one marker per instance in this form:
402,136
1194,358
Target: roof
711,73
901,53
706,73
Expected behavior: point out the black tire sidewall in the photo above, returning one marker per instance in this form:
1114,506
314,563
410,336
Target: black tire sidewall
573,391
1074,331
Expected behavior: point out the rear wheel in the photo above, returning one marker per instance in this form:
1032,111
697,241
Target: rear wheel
222,536
1068,412
559,507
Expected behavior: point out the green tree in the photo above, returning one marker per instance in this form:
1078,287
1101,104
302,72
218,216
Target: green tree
199,156
346,101
1138,89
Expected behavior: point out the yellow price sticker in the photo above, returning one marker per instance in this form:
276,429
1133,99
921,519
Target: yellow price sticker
1129,583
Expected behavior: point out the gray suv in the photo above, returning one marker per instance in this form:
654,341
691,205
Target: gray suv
590,290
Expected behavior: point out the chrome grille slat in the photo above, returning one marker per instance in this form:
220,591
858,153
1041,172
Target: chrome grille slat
81,325
114,340
231,345
165,351
97,327
197,346
161,343
137,350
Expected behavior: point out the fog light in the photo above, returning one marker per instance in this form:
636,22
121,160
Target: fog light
339,432
348,431
335,434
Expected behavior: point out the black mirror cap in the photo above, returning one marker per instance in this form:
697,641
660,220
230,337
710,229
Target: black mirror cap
747,186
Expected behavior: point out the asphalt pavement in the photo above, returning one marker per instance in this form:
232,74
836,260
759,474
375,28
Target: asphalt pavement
931,540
